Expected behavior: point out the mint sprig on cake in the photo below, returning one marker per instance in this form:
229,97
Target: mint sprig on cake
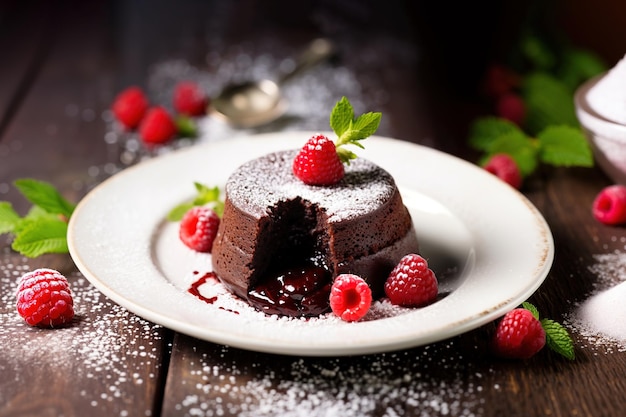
321,160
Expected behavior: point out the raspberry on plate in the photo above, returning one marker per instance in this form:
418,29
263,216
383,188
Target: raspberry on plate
130,106
411,283
504,167
609,206
519,335
189,99
350,297
157,127
198,228
44,298
318,163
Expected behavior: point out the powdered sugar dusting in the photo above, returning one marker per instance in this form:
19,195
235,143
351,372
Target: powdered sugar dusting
607,97
265,181
598,318
392,384
105,344
311,96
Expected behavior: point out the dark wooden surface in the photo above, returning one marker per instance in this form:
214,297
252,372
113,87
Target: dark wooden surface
62,64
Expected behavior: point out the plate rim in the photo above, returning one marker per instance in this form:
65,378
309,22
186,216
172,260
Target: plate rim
269,346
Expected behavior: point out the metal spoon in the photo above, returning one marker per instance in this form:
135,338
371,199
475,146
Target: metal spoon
255,103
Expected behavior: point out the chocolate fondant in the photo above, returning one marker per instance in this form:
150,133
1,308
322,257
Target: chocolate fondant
273,221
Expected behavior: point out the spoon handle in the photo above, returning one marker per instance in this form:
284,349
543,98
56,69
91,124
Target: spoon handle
318,50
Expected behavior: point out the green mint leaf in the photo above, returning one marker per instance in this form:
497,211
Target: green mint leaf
519,147
9,219
349,130
176,214
366,124
548,102
486,130
530,307
34,215
42,236
558,339
341,116
564,146
345,155
44,195
186,127
538,53
209,196
578,66
205,196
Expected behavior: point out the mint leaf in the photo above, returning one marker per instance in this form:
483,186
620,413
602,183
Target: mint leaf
564,146
578,66
538,53
548,102
186,126
205,196
350,130
558,339
519,147
34,215
528,306
42,236
178,212
486,130
345,155
9,219
366,124
341,116
44,195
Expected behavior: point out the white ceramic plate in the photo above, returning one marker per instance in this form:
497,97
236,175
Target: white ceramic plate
489,246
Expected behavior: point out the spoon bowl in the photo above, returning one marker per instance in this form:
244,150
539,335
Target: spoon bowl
250,104
255,103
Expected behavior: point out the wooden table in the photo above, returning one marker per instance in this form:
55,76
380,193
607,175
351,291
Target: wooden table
63,62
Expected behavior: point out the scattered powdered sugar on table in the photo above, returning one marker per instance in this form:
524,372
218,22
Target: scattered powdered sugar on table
105,343
600,318
311,97
392,384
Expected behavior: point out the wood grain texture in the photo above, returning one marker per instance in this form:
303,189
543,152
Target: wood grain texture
67,63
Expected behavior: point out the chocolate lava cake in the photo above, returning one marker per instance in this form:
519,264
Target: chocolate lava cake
273,222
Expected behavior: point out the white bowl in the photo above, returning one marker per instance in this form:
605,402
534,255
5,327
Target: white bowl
607,138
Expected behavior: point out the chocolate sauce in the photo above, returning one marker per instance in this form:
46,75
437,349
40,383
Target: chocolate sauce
195,287
297,292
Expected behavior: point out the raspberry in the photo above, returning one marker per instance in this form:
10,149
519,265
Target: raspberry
411,283
510,106
504,167
609,206
130,106
519,335
198,228
189,99
500,80
44,298
350,297
157,127
317,163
